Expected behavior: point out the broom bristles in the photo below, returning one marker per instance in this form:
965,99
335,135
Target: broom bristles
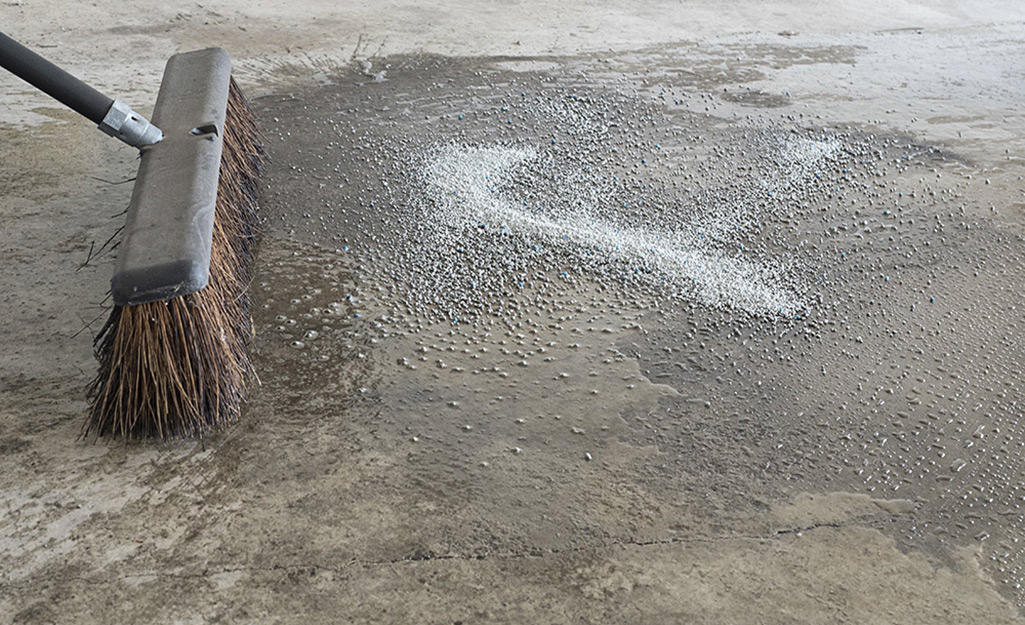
180,368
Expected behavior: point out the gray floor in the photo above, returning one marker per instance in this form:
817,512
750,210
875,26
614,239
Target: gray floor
651,313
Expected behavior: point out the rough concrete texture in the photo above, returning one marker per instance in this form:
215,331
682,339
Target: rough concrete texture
493,386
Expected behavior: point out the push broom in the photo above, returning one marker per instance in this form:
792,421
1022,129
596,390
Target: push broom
174,353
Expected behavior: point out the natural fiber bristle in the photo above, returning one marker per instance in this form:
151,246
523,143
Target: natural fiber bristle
179,368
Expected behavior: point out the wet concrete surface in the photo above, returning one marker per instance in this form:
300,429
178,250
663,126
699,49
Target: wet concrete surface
495,388
892,377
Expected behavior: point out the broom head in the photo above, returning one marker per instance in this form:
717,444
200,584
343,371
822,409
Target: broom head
174,355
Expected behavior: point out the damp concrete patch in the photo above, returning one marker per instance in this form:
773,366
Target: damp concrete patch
573,280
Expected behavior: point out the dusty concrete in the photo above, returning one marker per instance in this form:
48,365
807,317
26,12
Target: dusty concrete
659,461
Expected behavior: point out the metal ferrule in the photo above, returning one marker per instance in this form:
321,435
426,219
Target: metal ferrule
123,123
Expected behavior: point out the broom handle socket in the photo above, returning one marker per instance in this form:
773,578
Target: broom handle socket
121,122
113,116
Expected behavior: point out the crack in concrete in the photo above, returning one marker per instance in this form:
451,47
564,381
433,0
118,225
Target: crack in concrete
541,553
312,569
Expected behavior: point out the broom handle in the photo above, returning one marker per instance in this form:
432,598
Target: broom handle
113,116
52,80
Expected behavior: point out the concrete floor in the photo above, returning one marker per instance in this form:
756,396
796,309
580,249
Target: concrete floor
586,449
